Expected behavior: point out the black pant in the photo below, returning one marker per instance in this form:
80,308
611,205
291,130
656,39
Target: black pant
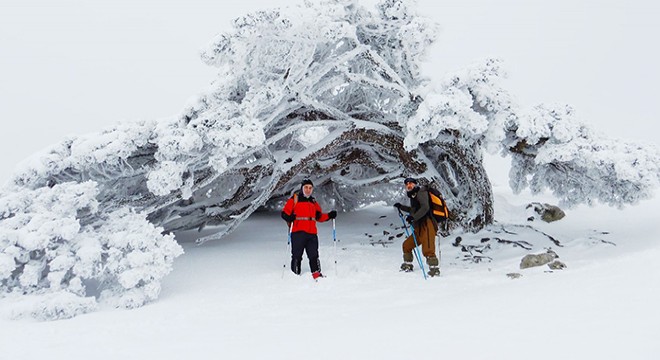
302,241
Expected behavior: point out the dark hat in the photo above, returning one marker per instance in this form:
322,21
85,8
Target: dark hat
412,180
306,182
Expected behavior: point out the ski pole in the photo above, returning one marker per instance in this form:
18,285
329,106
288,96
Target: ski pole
288,248
334,240
419,259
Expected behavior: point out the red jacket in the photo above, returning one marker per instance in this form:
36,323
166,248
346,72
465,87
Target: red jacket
307,212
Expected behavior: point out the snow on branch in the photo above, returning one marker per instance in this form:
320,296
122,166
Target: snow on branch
553,150
44,249
472,103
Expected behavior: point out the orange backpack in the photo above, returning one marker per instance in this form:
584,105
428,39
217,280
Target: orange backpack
438,205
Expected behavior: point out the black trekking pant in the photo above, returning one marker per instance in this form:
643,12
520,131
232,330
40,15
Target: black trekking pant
309,243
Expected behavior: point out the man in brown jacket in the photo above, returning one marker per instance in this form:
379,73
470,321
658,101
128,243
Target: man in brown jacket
425,225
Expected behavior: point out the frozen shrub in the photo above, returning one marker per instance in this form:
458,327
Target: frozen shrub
47,247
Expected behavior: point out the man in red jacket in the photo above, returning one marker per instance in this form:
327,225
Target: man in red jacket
303,210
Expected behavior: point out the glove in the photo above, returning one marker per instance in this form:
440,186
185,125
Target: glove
288,218
332,214
410,219
398,206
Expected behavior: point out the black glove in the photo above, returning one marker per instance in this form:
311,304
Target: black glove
410,219
398,206
288,218
332,214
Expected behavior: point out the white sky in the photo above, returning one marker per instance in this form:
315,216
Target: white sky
78,66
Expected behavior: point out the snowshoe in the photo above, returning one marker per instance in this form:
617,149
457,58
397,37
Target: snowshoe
317,274
406,267
434,271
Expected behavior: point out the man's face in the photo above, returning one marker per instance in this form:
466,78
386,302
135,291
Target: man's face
307,189
410,185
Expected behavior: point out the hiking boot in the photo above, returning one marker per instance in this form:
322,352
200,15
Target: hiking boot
317,274
295,266
432,261
434,271
407,267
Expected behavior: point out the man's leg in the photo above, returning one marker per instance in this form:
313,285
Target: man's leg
408,247
312,249
427,239
297,248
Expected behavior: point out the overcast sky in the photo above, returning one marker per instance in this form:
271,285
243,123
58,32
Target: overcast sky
78,66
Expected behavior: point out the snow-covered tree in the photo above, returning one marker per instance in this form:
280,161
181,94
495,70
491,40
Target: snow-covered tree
48,245
333,91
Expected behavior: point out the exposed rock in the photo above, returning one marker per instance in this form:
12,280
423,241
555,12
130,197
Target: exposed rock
557,265
532,260
548,213
514,275
457,242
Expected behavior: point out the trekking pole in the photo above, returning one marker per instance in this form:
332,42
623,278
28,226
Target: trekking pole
334,240
419,259
403,222
288,248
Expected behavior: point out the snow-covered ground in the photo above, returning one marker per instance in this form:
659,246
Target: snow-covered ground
233,299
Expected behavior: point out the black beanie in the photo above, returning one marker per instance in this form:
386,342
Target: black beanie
306,182
412,180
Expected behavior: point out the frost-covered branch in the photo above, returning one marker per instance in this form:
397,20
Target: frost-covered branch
553,150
